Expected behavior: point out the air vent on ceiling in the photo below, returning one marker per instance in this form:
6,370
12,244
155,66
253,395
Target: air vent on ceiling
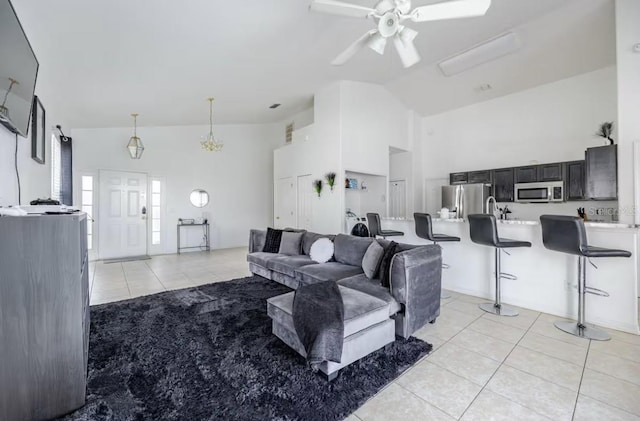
480,54
274,106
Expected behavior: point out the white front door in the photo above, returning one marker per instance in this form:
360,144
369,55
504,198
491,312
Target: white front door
305,201
122,220
285,203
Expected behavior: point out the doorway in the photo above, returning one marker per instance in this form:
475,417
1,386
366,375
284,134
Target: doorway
285,204
122,223
398,199
305,201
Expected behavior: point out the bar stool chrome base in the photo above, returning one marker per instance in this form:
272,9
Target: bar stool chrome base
498,309
580,331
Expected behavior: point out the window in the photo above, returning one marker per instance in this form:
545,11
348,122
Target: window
56,167
156,200
87,206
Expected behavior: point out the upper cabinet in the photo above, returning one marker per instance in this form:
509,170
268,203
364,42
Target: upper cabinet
503,184
479,177
458,178
601,167
527,174
550,172
574,180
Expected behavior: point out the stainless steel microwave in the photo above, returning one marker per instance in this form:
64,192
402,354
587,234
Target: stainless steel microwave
552,191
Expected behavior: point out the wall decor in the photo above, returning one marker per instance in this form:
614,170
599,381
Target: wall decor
331,179
38,132
135,146
199,198
210,143
606,130
317,186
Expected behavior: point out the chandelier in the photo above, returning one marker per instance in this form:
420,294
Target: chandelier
209,143
135,146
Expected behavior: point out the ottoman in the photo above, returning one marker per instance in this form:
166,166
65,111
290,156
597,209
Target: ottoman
367,326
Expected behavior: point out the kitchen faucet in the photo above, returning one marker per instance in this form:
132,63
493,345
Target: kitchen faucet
495,205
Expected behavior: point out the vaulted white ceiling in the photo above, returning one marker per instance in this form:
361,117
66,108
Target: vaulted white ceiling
102,60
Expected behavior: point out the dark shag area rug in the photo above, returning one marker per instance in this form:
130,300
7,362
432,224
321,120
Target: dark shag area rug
207,353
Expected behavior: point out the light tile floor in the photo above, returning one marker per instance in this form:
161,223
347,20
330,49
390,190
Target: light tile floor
483,367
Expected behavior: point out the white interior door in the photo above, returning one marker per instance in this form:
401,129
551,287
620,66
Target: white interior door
305,197
398,199
285,203
122,220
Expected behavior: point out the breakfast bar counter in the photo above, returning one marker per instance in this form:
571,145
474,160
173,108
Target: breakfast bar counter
547,280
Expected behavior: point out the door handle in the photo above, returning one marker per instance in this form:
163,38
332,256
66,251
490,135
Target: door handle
144,212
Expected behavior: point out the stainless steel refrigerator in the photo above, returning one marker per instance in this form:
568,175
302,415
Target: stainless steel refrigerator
465,199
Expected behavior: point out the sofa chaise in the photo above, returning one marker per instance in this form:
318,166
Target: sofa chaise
373,314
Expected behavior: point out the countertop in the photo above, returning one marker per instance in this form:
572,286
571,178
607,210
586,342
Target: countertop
609,225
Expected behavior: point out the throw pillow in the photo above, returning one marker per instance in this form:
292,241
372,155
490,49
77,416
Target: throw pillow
291,243
371,260
272,242
321,250
385,263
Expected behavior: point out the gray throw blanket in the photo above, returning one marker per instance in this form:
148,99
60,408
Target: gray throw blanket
318,316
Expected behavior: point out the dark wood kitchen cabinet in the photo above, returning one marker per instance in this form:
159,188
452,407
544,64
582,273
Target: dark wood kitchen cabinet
550,172
503,183
458,178
601,168
574,180
479,177
527,174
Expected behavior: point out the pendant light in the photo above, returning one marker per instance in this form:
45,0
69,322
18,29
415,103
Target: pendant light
209,143
135,146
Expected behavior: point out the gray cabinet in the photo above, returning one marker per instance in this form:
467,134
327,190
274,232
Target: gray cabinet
602,173
527,174
503,180
44,315
458,178
574,181
475,177
550,172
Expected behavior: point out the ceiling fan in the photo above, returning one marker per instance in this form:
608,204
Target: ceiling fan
389,16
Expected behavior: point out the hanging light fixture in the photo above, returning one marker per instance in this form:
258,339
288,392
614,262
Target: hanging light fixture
209,143
135,146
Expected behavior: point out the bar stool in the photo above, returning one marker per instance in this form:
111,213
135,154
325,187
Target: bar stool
375,229
424,230
484,231
567,234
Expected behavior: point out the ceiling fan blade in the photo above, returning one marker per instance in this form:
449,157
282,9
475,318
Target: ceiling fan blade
351,50
407,51
450,10
341,8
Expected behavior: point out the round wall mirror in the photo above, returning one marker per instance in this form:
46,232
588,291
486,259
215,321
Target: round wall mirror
199,198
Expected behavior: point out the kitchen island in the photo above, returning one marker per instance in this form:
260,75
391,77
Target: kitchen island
547,280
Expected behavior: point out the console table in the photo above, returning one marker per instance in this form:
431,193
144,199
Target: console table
207,243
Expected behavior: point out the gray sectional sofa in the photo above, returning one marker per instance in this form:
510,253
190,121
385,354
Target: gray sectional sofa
374,314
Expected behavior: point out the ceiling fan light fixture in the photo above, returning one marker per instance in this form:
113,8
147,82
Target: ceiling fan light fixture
407,34
377,43
407,51
389,24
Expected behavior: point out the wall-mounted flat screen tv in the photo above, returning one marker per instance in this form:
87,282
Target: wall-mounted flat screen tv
18,72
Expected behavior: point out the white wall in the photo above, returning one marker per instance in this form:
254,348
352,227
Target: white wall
35,178
238,179
372,119
628,67
316,156
550,123
401,168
